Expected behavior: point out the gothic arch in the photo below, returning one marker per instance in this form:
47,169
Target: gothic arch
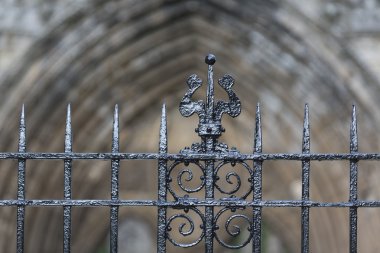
139,53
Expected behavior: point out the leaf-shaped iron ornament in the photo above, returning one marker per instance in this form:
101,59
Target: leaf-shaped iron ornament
210,128
210,113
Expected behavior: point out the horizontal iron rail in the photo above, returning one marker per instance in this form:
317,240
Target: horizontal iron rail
190,203
187,157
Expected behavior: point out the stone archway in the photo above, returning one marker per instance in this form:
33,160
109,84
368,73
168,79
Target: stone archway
138,54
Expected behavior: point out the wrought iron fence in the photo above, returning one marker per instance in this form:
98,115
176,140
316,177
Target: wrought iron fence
209,156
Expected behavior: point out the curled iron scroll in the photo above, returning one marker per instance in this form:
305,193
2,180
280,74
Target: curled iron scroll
186,228
234,230
233,178
185,174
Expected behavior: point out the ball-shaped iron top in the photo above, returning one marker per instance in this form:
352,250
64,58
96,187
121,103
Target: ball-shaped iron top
210,59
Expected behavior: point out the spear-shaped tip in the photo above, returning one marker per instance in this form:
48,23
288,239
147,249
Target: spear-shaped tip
258,132
68,116
68,131
22,131
306,131
115,130
354,131
163,111
116,118
23,112
22,117
163,144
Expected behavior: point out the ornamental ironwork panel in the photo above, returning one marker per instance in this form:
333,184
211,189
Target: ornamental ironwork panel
177,200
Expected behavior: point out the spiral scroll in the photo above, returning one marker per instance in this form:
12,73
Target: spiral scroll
185,174
234,175
186,228
234,231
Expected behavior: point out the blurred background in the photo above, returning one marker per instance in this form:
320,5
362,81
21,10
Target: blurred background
138,54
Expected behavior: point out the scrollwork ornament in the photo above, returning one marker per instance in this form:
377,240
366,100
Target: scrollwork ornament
186,228
210,112
185,174
233,174
232,230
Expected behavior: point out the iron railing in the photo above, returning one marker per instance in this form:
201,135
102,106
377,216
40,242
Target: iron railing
209,156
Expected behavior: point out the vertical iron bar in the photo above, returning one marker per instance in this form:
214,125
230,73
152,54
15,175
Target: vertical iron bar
162,184
67,184
210,93
21,183
209,143
257,184
305,182
115,166
209,210
354,147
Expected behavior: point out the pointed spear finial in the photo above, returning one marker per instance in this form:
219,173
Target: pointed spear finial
306,131
258,146
115,130
68,131
22,131
354,132
163,144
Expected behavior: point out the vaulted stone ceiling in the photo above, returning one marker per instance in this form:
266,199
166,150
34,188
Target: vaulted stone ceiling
138,54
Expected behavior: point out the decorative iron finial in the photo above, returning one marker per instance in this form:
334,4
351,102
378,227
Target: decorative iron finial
209,112
210,59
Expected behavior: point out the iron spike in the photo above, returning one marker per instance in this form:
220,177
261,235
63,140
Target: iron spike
306,131
258,146
354,132
115,130
68,131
